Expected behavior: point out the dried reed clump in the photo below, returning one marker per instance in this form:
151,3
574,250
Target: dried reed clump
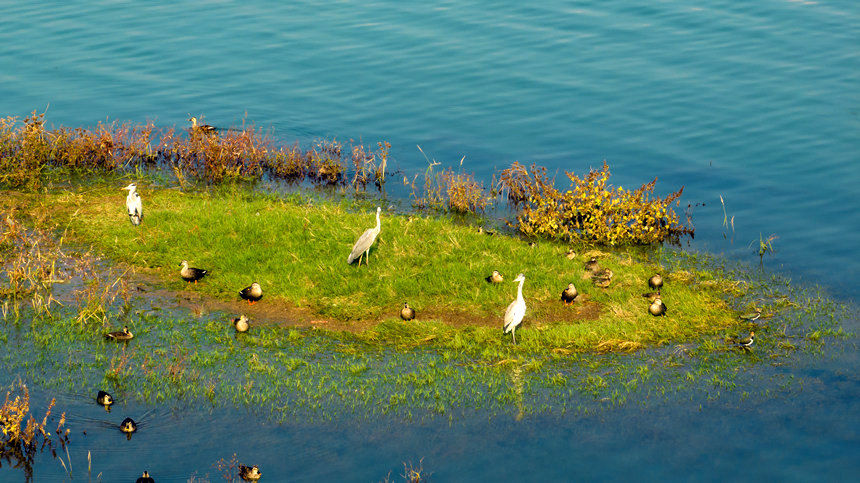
591,210
22,433
29,262
448,190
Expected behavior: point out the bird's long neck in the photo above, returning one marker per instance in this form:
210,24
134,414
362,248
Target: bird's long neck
378,222
520,290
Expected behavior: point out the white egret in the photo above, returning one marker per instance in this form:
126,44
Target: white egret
252,293
191,274
362,246
134,205
569,294
516,311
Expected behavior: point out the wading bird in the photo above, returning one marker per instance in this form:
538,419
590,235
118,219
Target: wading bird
128,426
191,274
250,473
569,294
123,334
495,277
657,307
104,399
252,294
145,478
747,342
656,282
407,312
592,265
241,323
201,128
362,246
133,205
516,311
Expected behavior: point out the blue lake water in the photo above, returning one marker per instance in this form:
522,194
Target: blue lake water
757,102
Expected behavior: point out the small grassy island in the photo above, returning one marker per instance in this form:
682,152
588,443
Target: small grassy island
327,335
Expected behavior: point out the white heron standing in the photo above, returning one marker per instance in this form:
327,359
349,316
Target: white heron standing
134,205
362,246
516,311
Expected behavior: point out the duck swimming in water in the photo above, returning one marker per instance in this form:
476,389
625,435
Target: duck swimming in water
123,334
191,274
252,294
145,478
104,399
128,426
569,294
495,277
201,128
241,323
250,473
407,312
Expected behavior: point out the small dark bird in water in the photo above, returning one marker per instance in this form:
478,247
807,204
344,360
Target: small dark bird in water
407,312
241,323
123,334
656,282
657,307
747,342
104,399
145,478
571,254
191,274
250,473
201,128
495,277
592,265
252,294
569,294
128,426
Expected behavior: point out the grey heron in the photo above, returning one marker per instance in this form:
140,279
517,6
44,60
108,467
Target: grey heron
495,277
656,281
250,473
104,399
241,323
123,334
407,312
592,265
204,128
569,294
657,307
145,478
516,310
128,426
133,205
252,294
362,246
191,274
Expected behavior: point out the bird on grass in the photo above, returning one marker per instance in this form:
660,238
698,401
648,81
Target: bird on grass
657,307
569,294
241,323
191,274
495,277
656,282
145,478
602,278
362,245
571,254
250,473
407,312
201,128
128,426
104,399
516,310
133,205
592,265
123,334
747,342
252,293
750,316
651,295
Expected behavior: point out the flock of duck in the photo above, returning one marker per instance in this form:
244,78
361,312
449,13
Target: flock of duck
513,317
